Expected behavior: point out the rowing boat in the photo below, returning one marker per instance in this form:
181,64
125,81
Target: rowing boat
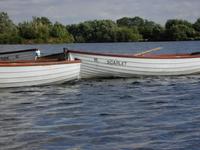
115,65
37,72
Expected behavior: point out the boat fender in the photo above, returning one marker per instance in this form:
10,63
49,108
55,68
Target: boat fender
37,54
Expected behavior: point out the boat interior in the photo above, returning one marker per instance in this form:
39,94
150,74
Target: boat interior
44,60
150,56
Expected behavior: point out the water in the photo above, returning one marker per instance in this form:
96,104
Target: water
151,113
125,48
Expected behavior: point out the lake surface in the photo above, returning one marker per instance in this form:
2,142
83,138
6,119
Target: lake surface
151,113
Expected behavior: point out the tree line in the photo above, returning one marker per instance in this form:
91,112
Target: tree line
126,29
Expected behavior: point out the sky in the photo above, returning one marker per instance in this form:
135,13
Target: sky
76,11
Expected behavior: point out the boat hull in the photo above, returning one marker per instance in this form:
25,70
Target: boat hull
102,65
39,74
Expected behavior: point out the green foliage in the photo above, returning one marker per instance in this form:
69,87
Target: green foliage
60,32
42,20
8,30
38,28
157,33
94,31
126,29
6,25
196,26
125,34
103,31
41,30
173,22
149,30
27,30
179,30
130,22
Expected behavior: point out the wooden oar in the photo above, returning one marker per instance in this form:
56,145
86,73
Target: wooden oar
149,51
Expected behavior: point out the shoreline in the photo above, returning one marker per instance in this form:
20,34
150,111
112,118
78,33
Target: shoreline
97,42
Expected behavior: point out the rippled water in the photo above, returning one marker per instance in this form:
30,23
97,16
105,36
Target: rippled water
151,113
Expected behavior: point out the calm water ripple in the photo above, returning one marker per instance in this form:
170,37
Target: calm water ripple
147,113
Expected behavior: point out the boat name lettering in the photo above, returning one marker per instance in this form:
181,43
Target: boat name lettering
4,58
116,62
95,59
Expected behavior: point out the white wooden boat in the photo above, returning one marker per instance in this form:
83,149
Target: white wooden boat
40,72
112,65
28,54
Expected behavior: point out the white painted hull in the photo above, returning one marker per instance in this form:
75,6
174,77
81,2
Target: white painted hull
17,76
112,66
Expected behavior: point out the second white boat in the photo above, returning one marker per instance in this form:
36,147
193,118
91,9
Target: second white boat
112,65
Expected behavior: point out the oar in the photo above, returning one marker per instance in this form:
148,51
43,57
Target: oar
149,51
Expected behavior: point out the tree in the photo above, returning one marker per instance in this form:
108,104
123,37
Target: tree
94,31
196,25
173,22
149,30
38,29
43,20
180,32
126,29
125,34
103,30
60,32
8,30
76,33
6,25
34,30
157,33
27,30
130,22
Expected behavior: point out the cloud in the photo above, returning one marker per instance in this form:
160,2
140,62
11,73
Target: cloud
75,11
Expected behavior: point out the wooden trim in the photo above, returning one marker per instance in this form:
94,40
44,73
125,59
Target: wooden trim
18,51
36,63
53,56
149,56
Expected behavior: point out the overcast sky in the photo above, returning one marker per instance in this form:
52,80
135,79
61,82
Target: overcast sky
75,11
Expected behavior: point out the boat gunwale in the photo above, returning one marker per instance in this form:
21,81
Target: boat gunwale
18,51
37,63
149,56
